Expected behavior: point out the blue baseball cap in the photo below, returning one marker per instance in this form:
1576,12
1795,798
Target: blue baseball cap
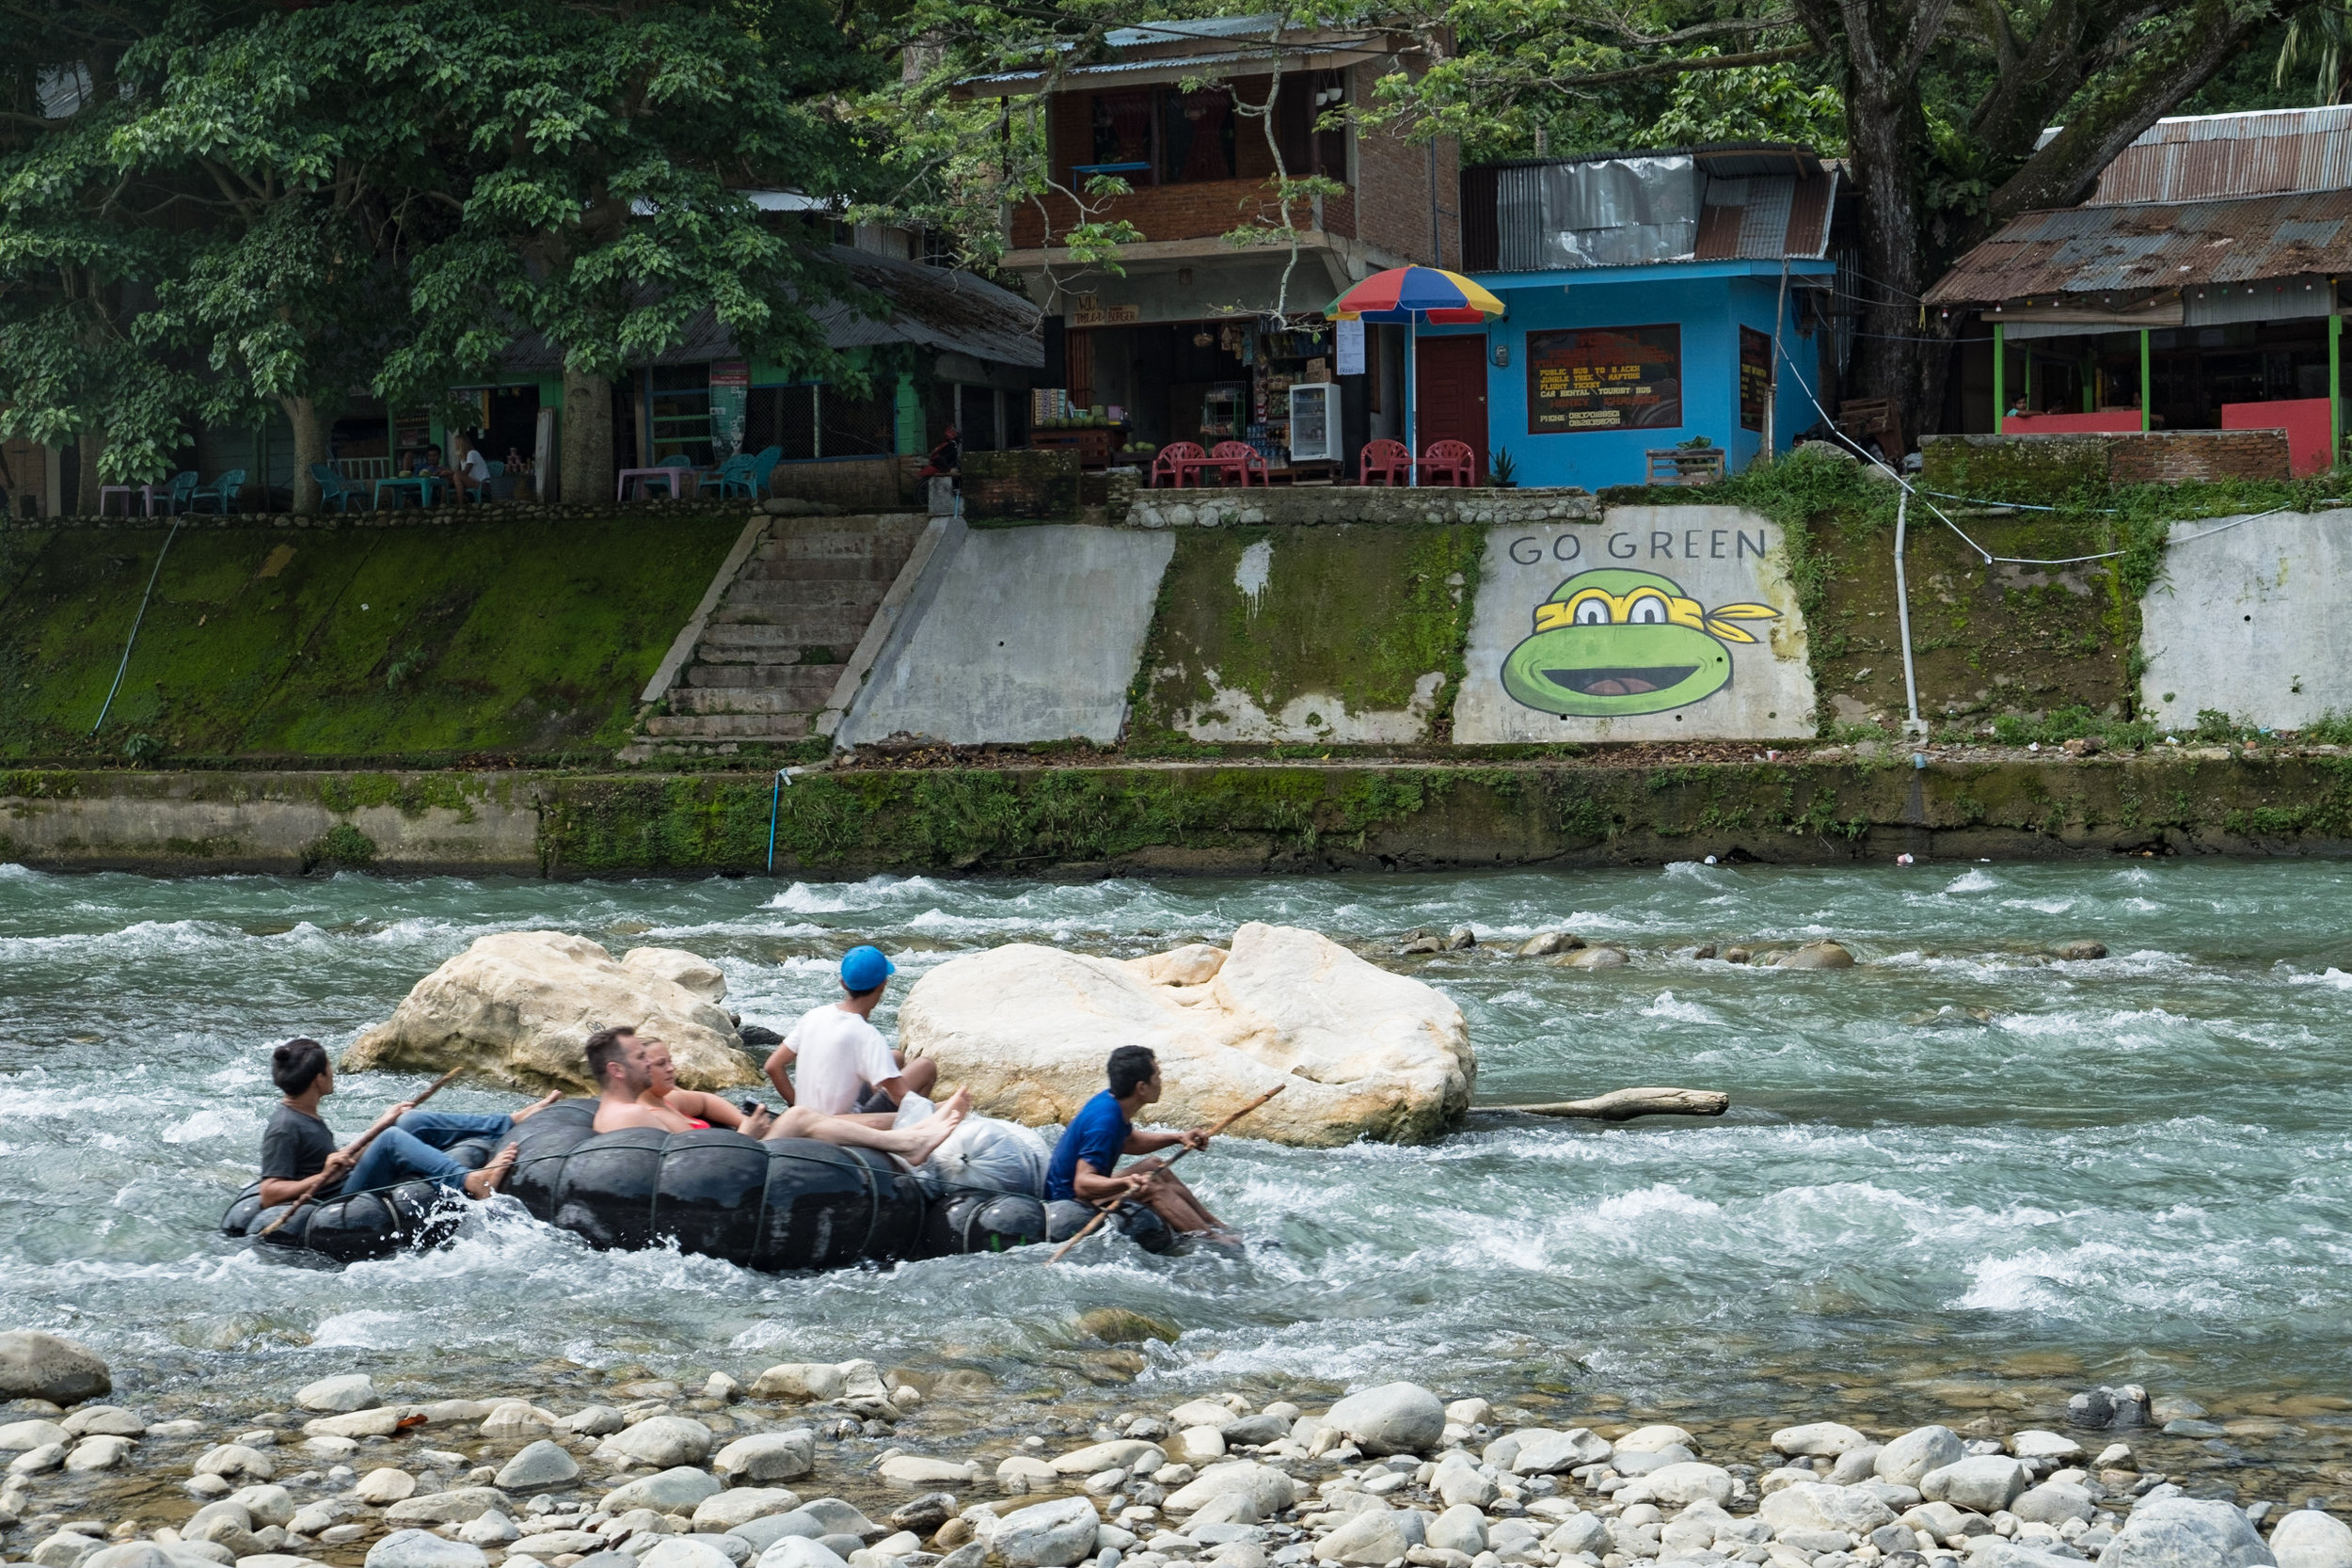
864,968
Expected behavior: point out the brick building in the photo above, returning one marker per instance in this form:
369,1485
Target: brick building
1198,337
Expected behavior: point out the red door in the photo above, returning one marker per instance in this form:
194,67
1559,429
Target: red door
1450,392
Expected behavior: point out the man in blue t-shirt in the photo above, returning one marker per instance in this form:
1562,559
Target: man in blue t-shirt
1085,1161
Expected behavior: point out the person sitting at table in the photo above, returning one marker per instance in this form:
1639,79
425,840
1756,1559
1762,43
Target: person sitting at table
472,473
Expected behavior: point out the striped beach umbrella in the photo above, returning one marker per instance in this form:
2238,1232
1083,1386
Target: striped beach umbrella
1411,295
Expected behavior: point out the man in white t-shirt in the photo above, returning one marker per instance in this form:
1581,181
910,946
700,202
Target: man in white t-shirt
847,1068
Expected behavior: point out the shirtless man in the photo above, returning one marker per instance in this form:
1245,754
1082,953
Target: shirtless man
639,1090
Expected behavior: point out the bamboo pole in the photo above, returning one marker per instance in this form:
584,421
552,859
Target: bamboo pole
360,1143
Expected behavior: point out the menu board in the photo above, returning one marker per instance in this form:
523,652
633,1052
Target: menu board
1604,378
730,393
1755,376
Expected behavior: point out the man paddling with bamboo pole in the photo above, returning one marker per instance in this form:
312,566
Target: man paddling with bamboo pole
1085,1163
301,1165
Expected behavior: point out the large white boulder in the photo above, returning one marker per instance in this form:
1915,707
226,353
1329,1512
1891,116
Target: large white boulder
1395,1417
518,1007
2186,1532
2308,1538
1362,1052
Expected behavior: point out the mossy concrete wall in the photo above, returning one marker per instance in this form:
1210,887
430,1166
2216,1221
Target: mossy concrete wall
1184,816
525,639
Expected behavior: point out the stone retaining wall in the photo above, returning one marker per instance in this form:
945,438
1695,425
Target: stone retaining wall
484,515
1352,503
2048,468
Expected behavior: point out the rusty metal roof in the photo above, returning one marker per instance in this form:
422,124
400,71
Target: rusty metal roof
2121,249
2204,157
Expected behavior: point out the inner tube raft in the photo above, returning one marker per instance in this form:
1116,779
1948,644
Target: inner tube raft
777,1204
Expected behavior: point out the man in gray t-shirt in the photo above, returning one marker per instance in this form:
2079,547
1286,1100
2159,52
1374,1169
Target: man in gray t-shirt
301,1161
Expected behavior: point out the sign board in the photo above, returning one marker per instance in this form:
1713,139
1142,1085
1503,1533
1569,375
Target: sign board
1088,311
1755,376
1656,622
1604,378
730,388
1351,348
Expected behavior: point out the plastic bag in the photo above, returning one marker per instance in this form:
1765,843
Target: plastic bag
990,1156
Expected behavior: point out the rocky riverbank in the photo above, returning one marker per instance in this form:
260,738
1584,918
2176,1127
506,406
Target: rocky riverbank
845,1465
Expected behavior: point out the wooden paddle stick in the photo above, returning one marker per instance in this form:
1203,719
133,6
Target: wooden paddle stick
1107,1213
361,1141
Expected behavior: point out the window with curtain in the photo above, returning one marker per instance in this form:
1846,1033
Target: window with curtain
1197,136
1122,130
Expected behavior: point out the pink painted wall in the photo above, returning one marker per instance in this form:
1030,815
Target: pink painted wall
2305,421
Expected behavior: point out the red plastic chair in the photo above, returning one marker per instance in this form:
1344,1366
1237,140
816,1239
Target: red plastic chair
1170,464
1385,462
1450,463
1237,460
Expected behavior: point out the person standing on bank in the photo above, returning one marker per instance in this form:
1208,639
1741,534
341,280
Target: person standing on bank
847,1068
300,1161
1085,1161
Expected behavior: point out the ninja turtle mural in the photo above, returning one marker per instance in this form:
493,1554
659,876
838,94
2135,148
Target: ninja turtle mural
1612,643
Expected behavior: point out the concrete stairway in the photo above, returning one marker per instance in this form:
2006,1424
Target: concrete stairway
772,652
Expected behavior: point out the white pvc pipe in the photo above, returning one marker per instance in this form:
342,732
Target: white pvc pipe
1902,610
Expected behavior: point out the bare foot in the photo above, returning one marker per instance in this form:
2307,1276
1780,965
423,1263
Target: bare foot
958,1102
933,1129
492,1176
537,1106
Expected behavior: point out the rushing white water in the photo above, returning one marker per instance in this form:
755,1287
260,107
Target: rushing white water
1958,1176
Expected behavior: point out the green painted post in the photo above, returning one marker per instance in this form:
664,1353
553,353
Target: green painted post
2144,382
2000,368
2091,378
2335,382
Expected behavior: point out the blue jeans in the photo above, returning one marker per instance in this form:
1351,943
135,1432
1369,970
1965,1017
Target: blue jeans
412,1148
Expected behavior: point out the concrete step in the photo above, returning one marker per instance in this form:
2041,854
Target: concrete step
807,696
796,594
870,566
730,726
747,672
837,629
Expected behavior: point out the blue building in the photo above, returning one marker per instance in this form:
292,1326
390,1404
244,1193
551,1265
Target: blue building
1655,300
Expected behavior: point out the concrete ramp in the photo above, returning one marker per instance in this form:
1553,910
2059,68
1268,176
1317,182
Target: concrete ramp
1018,633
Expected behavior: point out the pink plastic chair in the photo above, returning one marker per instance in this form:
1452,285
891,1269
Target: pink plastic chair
1385,462
1449,462
1237,460
1169,467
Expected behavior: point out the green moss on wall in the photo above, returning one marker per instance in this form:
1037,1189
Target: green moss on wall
530,638
1358,613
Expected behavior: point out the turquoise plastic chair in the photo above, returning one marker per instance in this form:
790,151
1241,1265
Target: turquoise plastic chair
223,493
180,493
731,478
763,464
334,489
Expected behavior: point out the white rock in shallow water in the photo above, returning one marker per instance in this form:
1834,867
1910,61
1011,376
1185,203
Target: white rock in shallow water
24,1437
597,1420
1460,1529
2183,1532
1362,1052
1908,1458
1125,1453
1985,1484
2031,1444
2054,1502
36,1366
539,1463
681,1551
488,1529
1543,1453
1813,1506
1651,1439
660,1440
1827,1439
1395,1417
1200,1445
1272,1488
916,1470
799,1551
37,1462
678,1489
234,1459
1372,1539
65,1549
1201,1413
1047,1535
338,1396
740,1505
453,1507
768,1456
385,1487
1583,1533
1025,1473
821,1380
382,1422
103,1420
417,1548
517,1006
1692,1480
265,1504
2308,1538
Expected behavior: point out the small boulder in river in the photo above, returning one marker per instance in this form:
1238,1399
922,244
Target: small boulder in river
1545,943
1816,955
36,1366
1395,1417
1360,1052
518,1006
2080,952
1609,957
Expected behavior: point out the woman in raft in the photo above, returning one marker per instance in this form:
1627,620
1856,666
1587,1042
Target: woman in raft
639,1085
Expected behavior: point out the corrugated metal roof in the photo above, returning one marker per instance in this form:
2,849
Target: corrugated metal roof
1639,209
2080,250
932,307
2205,157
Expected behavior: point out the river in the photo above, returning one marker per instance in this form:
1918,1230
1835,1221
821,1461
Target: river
1961,1178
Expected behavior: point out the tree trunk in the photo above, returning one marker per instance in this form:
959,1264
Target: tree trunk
1885,138
1625,1105
310,440
89,448
586,471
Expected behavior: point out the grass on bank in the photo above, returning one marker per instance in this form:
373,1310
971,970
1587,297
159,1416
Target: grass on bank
519,639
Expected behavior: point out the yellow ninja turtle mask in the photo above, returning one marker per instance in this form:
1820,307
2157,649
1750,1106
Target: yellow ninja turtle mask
1612,643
